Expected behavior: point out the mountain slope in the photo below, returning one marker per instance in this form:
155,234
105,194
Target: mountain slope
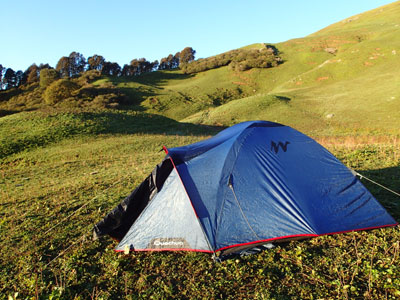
348,72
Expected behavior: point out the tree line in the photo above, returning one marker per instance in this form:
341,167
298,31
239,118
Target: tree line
76,64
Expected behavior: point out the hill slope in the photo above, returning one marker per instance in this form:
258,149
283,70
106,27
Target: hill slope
341,78
348,72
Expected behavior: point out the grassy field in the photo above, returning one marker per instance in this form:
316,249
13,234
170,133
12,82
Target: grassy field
63,168
54,191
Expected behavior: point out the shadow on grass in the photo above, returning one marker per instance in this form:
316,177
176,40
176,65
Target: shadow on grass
6,112
8,94
136,122
387,177
161,77
43,129
152,78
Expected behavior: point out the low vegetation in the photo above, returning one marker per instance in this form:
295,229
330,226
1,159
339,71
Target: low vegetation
239,60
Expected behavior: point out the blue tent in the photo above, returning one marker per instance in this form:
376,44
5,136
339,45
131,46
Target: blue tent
254,183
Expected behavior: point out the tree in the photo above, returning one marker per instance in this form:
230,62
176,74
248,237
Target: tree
186,55
169,62
112,69
9,79
134,67
19,78
63,67
163,64
145,66
154,65
32,74
126,70
140,66
175,60
47,77
44,66
72,65
96,62
1,76
77,63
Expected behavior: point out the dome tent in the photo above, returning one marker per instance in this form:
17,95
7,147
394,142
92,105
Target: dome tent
254,183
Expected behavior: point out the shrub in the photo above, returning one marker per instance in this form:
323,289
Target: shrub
47,77
239,60
88,77
106,100
59,90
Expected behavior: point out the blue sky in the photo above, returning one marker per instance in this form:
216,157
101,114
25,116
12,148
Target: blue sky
43,31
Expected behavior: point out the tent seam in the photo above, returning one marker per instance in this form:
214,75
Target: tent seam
241,210
230,172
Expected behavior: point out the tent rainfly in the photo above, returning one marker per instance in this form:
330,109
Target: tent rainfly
252,184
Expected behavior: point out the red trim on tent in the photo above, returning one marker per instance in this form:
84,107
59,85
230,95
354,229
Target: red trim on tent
184,188
267,240
305,235
168,249
165,149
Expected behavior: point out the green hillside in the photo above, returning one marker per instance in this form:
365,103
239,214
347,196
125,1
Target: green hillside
68,158
357,85
345,76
